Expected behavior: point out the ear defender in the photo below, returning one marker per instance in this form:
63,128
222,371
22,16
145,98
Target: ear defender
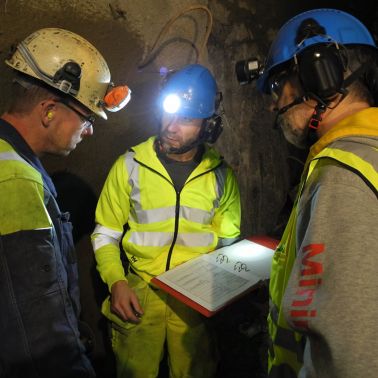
213,129
321,72
321,66
213,126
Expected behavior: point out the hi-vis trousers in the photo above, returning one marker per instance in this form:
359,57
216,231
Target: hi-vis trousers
139,348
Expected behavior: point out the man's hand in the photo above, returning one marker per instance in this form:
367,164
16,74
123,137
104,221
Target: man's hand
124,302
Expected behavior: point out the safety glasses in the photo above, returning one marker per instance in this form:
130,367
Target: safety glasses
87,120
276,84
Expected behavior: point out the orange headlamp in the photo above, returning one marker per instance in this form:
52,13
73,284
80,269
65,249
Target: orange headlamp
117,98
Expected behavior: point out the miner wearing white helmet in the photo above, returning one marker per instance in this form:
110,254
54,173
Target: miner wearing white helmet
61,85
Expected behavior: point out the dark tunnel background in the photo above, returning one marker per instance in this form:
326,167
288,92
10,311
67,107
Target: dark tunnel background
267,187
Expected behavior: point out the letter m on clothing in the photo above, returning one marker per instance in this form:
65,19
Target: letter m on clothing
310,267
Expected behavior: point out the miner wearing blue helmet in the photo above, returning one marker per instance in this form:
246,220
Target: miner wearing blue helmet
179,199
322,74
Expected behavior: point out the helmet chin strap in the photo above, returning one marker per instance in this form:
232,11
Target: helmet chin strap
314,123
315,119
185,148
180,150
297,101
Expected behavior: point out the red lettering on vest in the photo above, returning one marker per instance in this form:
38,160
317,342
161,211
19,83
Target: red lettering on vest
303,302
301,305
314,282
312,267
303,313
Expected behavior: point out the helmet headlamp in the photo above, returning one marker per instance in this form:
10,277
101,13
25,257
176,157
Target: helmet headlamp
117,98
171,103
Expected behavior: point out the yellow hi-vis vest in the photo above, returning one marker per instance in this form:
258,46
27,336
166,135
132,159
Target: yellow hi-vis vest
165,227
286,346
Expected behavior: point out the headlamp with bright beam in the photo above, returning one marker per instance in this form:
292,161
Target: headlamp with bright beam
171,103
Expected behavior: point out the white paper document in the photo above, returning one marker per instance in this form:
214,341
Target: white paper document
214,279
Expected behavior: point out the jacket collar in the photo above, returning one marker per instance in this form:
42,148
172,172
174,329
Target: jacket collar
145,153
14,138
363,123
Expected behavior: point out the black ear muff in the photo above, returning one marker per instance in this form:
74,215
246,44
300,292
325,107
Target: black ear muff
320,67
212,129
321,71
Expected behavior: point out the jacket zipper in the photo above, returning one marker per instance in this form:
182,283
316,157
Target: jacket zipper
177,207
177,217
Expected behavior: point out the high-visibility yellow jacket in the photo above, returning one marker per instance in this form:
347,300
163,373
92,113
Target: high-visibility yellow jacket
287,346
164,227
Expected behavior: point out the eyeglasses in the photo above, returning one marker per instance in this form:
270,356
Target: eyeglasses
276,84
87,120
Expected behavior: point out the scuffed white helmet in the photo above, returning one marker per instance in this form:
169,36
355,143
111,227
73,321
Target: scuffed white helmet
68,63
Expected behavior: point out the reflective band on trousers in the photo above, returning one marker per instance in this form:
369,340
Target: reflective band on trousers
285,337
192,214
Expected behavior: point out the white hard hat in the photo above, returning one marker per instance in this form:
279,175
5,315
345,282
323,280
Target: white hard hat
67,62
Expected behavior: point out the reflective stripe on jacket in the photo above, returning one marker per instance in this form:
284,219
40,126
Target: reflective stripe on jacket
286,348
165,227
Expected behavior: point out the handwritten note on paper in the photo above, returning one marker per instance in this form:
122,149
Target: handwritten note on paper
215,278
244,256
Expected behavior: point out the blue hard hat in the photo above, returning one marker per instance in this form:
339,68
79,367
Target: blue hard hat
190,92
339,27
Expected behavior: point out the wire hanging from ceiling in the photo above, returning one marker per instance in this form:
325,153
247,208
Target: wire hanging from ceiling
152,54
